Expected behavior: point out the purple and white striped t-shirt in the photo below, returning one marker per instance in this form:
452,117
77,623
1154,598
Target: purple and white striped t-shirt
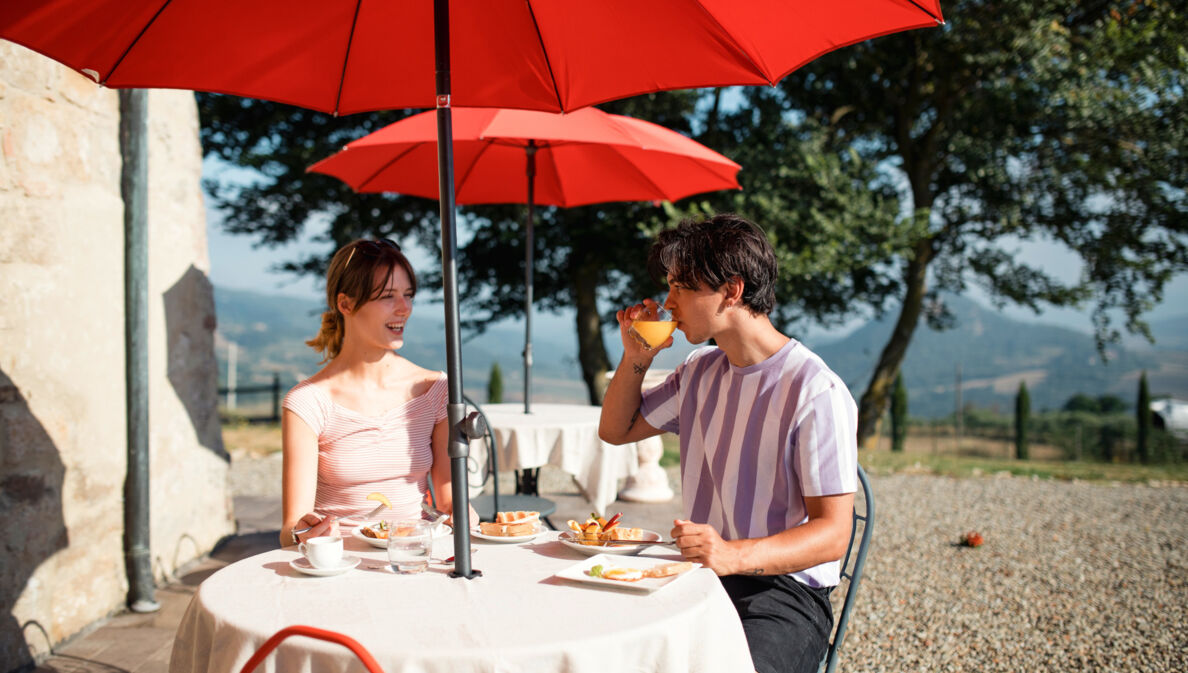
756,440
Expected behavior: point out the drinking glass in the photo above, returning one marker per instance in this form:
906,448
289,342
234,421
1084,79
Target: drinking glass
409,545
653,332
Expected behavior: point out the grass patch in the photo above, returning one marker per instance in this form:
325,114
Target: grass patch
672,450
263,439
885,462
257,439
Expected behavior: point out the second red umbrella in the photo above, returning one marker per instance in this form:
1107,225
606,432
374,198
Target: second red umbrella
519,156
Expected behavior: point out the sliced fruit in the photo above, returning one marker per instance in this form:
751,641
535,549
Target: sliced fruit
379,497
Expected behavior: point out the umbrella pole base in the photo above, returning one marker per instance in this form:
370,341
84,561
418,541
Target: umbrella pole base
474,574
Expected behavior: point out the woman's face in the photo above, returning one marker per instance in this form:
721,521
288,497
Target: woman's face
381,321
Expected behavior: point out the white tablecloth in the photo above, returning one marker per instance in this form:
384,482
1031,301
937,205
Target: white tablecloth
516,617
563,436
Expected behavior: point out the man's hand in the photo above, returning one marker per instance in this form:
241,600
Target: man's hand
701,543
632,346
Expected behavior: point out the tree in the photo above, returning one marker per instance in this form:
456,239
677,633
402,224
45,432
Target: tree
814,200
495,384
1020,120
1082,402
899,414
1022,420
1142,409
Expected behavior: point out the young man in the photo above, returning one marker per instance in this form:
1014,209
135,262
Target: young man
768,438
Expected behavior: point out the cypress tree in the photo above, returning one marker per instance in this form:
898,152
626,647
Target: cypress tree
899,413
495,384
1142,411
1022,416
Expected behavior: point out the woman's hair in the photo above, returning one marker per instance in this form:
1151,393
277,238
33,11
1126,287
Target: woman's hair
708,253
352,272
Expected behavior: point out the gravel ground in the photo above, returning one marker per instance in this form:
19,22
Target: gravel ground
1073,576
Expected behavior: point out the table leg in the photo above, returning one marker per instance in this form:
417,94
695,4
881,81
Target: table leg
527,481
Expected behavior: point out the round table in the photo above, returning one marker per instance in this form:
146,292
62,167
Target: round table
516,617
563,436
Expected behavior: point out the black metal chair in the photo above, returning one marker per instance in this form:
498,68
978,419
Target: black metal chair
854,574
482,471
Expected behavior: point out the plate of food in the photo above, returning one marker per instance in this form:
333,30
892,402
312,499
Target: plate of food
643,573
607,536
517,526
377,533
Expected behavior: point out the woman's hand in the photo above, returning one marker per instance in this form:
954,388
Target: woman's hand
318,526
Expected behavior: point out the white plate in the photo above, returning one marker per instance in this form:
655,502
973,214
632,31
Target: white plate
302,565
515,538
580,573
624,548
441,531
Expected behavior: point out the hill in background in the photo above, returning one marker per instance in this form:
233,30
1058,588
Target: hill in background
993,352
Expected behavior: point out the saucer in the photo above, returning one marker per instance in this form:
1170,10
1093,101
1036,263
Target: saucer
302,564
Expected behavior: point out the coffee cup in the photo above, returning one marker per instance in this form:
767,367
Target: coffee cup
322,552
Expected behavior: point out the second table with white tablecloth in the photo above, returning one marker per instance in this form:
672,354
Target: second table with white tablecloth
564,436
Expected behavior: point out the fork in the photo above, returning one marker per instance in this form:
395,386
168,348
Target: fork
370,514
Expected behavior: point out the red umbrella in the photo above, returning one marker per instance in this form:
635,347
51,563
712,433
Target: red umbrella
347,57
586,156
369,55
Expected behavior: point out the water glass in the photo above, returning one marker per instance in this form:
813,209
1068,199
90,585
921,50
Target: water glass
409,545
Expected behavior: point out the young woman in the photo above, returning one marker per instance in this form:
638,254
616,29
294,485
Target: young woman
370,420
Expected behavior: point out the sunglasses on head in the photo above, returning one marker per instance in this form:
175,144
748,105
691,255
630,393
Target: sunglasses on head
372,247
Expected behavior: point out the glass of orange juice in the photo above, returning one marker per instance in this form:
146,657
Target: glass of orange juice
653,332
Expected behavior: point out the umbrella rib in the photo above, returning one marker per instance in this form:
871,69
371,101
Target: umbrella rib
460,181
925,10
726,33
347,57
545,53
131,44
379,171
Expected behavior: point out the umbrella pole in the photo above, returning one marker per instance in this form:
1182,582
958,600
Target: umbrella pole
459,447
529,246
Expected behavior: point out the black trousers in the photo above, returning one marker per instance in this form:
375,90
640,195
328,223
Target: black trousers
787,623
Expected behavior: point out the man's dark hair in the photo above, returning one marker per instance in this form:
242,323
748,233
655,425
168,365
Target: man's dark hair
708,253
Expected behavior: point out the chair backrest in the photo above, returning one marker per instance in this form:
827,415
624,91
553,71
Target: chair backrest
854,573
312,632
485,468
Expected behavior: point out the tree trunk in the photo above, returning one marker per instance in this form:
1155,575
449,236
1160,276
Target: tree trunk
591,351
874,400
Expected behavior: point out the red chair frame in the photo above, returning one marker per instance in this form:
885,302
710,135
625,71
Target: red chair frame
312,632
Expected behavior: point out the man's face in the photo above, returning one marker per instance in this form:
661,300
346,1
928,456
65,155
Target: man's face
697,310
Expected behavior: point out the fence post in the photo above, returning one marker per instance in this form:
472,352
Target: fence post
275,397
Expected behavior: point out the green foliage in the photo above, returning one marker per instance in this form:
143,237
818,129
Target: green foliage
1022,421
1104,404
1142,412
495,384
899,414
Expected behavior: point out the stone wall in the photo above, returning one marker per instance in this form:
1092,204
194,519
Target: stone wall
62,425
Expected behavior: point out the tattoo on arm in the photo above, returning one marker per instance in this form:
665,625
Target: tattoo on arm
634,418
638,368
754,571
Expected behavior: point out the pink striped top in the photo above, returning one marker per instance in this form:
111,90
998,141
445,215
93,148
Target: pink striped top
358,454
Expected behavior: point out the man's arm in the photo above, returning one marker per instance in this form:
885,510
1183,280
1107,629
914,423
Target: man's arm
621,420
821,539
